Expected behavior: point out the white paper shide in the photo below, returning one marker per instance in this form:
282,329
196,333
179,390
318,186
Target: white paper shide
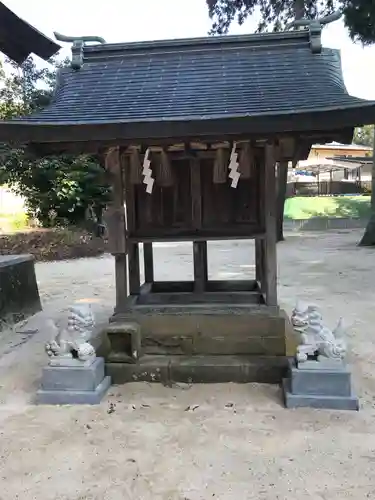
71,345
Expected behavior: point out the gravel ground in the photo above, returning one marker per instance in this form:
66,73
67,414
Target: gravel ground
201,442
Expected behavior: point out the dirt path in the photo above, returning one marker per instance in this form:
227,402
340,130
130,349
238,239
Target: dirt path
238,443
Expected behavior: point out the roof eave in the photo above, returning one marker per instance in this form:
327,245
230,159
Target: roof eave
20,39
22,132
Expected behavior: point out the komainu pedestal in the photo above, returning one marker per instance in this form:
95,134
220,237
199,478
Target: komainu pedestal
74,374
316,385
318,376
80,383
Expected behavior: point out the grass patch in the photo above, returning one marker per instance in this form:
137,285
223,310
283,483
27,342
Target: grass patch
306,207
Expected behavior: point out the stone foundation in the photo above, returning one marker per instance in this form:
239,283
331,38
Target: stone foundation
217,337
19,295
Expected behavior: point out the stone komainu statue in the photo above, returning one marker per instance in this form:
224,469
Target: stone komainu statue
316,340
74,340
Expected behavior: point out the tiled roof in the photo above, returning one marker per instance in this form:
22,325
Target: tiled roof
145,86
237,76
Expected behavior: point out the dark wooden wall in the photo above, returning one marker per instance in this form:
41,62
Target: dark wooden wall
172,210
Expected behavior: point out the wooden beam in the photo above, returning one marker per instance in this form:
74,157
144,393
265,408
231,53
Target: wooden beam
282,181
117,225
121,281
134,270
200,266
302,150
220,170
196,197
174,235
246,161
131,220
148,257
259,263
129,193
287,149
135,167
76,146
270,260
163,169
199,247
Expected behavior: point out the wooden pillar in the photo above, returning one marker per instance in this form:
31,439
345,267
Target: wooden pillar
134,270
121,281
117,225
132,248
148,258
259,263
199,247
282,183
270,260
200,266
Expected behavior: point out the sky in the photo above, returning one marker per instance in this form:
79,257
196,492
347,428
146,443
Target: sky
135,20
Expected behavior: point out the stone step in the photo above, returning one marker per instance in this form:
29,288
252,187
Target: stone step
200,369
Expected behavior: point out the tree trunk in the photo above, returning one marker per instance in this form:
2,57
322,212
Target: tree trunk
299,9
368,239
282,178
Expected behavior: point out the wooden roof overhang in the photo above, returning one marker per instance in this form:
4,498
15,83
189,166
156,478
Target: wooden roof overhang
208,89
18,39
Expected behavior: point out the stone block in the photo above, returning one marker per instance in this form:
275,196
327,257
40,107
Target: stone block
85,384
148,369
200,369
328,388
207,369
125,341
325,382
19,294
318,401
74,397
73,378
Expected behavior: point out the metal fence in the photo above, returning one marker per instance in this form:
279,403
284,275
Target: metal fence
326,188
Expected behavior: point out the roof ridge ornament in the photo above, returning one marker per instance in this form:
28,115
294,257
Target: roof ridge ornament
77,47
315,28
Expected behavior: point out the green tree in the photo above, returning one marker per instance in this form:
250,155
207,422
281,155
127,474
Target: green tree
275,15
363,136
359,15
58,190
368,238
